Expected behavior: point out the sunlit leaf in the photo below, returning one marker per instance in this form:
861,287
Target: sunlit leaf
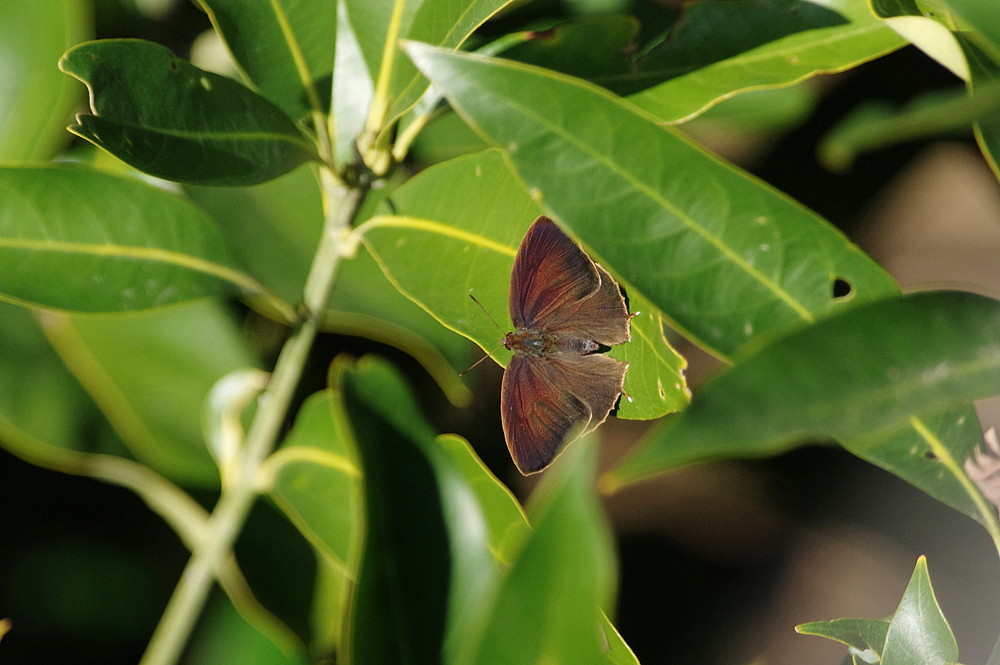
85,241
316,480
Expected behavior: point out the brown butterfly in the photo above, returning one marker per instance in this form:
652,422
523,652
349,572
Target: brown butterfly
566,310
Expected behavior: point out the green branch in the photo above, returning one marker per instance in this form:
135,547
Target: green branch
238,496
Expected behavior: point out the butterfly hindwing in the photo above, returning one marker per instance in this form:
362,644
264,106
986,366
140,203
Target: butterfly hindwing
548,401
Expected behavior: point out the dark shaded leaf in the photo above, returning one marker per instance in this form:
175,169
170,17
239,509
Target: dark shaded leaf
164,116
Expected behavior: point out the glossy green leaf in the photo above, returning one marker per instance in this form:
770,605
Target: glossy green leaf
763,111
862,377
284,48
150,375
722,255
546,608
316,480
475,233
273,229
865,637
980,21
923,31
723,48
984,80
37,100
918,632
85,241
364,303
166,117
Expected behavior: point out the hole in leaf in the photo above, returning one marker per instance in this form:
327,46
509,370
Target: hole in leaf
841,288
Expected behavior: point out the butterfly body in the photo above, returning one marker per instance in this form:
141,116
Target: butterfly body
539,344
566,310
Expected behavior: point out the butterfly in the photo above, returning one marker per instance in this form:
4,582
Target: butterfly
566,311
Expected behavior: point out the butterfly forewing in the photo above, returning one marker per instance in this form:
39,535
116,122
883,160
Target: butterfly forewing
550,277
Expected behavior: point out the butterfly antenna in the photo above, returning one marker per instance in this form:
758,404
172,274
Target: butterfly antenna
469,368
490,316
488,354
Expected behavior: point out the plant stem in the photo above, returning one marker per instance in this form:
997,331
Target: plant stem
237,497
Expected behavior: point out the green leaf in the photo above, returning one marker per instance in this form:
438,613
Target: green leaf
546,607
722,255
85,241
980,21
444,137
272,228
595,48
861,376
441,532
865,637
724,48
506,524
37,100
225,636
43,411
962,35
475,231
364,303
875,125
918,633
285,49
353,89
170,119
445,23
150,375
316,480
933,460
425,532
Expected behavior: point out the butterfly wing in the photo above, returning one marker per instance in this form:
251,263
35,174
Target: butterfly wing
546,400
555,286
